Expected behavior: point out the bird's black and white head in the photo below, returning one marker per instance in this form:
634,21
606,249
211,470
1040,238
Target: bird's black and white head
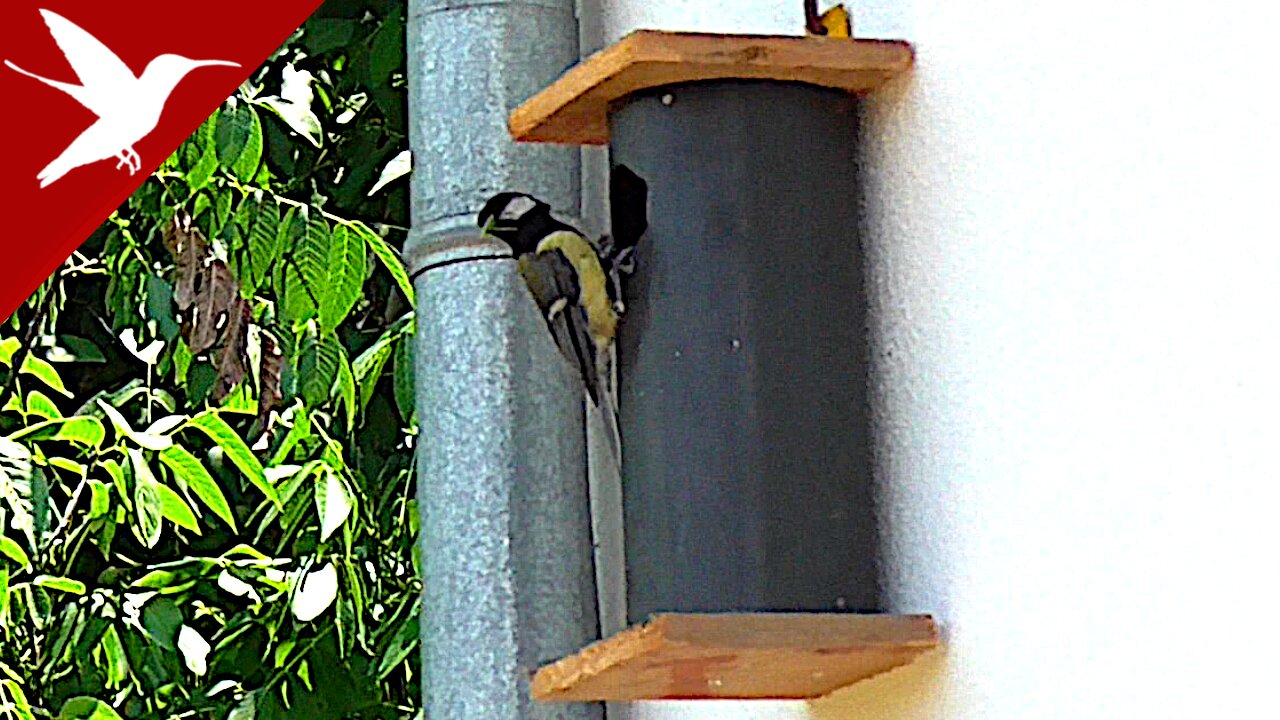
518,219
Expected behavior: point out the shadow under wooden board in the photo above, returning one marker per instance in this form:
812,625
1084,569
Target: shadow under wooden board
737,656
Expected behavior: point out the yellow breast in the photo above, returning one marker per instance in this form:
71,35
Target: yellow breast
592,294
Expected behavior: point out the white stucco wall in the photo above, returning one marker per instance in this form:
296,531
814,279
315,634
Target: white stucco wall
1075,267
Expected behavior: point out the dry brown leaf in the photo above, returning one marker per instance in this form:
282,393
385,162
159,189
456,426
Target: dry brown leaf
269,378
233,359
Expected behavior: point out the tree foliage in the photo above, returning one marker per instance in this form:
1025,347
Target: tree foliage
206,418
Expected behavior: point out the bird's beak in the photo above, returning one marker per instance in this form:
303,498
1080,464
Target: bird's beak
216,63
488,227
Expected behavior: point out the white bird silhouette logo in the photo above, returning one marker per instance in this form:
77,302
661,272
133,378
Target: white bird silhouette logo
128,107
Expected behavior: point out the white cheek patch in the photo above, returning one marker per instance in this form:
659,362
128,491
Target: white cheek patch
516,209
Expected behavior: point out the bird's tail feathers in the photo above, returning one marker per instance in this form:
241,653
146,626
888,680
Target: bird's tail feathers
54,171
607,403
52,83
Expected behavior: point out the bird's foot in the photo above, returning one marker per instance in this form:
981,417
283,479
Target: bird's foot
128,158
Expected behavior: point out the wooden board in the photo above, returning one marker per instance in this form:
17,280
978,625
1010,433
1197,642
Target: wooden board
737,656
574,109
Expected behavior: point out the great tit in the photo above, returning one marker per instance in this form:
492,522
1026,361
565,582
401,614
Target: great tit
566,277
629,219
835,22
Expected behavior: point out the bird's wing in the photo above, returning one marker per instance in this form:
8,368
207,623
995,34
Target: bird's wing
92,145
81,95
104,76
553,284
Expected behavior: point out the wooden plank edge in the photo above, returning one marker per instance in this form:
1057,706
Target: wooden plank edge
555,682
655,47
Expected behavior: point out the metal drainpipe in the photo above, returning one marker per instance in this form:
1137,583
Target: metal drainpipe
502,484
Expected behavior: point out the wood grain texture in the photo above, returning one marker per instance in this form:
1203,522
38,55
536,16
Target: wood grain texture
737,656
574,109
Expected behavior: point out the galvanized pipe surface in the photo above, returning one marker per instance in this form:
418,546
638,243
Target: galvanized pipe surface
747,481
506,550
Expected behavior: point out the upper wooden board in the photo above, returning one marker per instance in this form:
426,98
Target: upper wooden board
574,109
737,656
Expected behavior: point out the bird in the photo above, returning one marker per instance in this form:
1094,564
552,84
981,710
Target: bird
565,275
629,219
834,23
128,106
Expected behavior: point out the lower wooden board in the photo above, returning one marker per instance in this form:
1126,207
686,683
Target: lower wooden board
737,656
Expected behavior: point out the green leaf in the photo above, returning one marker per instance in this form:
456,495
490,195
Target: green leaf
263,245
182,358
239,141
67,464
305,270
40,405
100,499
325,34
21,708
120,480
82,430
222,202
297,116
387,51
191,471
236,450
369,364
347,263
71,348
398,650
87,708
156,580
404,373
13,551
149,511
161,618
332,501
45,372
117,662
199,175
390,260
231,137
175,509
246,709
61,584
318,367
4,598
346,387
160,308
299,425
396,168
150,441
8,347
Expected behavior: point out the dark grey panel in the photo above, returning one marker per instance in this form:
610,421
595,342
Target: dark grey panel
742,357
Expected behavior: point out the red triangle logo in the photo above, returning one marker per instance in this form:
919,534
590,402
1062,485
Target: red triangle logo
100,94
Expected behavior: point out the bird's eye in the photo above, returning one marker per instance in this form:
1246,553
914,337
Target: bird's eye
517,208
